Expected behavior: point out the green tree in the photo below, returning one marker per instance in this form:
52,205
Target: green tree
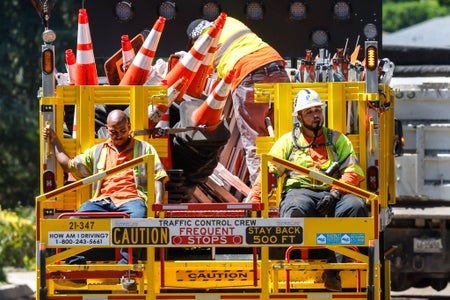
402,14
445,3
20,79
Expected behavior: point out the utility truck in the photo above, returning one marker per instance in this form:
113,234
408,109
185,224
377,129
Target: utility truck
419,232
221,249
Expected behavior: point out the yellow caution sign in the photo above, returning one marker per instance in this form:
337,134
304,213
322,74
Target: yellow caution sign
214,275
140,236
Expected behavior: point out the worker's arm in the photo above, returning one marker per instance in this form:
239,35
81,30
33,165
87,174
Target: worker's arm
255,193
159,191
61,156
350,169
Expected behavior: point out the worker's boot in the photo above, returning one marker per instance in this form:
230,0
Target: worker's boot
128,284
332,280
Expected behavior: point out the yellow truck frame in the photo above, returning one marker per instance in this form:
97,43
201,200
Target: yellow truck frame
250,230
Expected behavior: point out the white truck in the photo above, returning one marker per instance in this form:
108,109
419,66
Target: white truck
418,238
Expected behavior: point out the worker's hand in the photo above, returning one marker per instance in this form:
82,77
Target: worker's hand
253,198
181,54
325,206
48,134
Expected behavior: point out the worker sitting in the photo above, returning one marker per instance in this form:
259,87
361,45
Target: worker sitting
314,146
124,192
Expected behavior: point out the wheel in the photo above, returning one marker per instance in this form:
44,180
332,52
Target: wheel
399,283
439,284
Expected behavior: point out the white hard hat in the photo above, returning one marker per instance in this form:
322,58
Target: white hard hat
306,98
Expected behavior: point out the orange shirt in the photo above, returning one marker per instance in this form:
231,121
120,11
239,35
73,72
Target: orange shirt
120,188
320,155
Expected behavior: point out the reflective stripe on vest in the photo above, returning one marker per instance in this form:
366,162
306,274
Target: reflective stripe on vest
224,47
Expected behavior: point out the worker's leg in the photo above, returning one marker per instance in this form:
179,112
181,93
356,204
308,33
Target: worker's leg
88,206
351,206
299,203
97,206
250,116
302,203
135,209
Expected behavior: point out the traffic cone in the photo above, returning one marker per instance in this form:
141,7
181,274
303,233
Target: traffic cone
86,69
190,62
197,85
127,53
156,113
74,124
140,67
165,120
210,111
71,66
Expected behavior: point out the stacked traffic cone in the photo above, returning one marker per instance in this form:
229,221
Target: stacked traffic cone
71,66
127,53
197,85
74,124
157,112
190,62
86,69
165,120
140,67
210,111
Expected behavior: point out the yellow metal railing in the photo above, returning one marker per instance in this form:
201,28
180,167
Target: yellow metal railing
347,103
84,100
368,226
179,272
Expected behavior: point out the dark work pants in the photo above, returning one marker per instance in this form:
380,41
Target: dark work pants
302,203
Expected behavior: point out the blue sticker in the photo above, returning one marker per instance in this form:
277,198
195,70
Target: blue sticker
340,238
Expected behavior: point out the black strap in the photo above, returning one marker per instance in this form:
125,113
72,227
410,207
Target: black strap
166,131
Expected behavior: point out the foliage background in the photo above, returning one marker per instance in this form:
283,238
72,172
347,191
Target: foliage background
401,14
20,79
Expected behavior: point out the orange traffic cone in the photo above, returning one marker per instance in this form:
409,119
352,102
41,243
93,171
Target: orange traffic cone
156,114
86,69
210,111
71,66
127,53
190,62
140,67
175,89
197,85
74,125
165,120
